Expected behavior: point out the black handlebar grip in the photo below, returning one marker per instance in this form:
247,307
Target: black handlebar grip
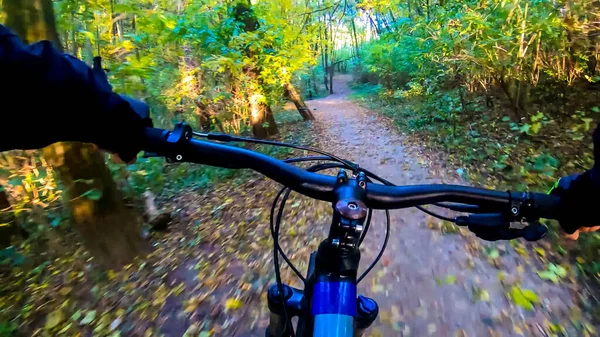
155,140
545,205
491,220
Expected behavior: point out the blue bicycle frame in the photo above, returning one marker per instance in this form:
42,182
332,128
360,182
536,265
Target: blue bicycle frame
334,308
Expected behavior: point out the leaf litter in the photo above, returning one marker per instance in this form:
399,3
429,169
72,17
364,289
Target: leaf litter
207,276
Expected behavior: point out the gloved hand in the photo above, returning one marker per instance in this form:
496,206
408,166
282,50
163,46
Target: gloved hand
580,198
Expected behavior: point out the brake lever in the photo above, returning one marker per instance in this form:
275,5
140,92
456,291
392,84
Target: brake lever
496,226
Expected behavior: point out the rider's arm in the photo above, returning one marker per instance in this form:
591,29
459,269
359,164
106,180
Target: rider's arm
580,195
49,96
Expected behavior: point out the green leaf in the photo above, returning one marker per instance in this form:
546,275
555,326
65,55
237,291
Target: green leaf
505,119
530,295
15,181
537,117
520,299
54,319
548,276
560,271
122,8
76,316
38,270
595,109
89,35
89,317
494,254
65,329
587,122
93,194
561,250
450,279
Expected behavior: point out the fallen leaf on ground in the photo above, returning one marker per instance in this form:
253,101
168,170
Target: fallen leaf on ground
233,304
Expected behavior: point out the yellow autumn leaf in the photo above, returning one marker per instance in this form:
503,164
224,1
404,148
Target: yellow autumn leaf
65,291
233,304
54,319
376,333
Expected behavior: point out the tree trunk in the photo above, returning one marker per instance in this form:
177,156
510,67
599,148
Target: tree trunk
331,66
393,19
293,95
272,128
88,47
373,25
592,45
32,20
314,83
114,28
325,54
203,117
7,226
108,229
331,71
355,39
73,39
206,115
261,119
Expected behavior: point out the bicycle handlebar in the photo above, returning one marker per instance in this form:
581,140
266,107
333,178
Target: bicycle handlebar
178,145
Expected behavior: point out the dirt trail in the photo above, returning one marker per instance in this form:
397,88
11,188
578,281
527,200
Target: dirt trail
430,283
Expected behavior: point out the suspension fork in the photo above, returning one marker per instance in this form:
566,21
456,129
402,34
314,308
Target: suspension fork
322,295
329,305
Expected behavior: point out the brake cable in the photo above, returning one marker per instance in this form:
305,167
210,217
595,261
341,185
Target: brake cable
230,138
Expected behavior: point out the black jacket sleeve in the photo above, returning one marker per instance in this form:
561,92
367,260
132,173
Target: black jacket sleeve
48,96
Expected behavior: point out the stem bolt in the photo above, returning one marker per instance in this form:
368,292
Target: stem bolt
178,157
514,210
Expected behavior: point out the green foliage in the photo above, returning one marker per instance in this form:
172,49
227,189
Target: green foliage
525,298
554,273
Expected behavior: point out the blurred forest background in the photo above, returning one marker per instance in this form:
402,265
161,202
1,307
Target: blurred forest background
505,90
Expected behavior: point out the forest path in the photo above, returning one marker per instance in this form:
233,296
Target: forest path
431,283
